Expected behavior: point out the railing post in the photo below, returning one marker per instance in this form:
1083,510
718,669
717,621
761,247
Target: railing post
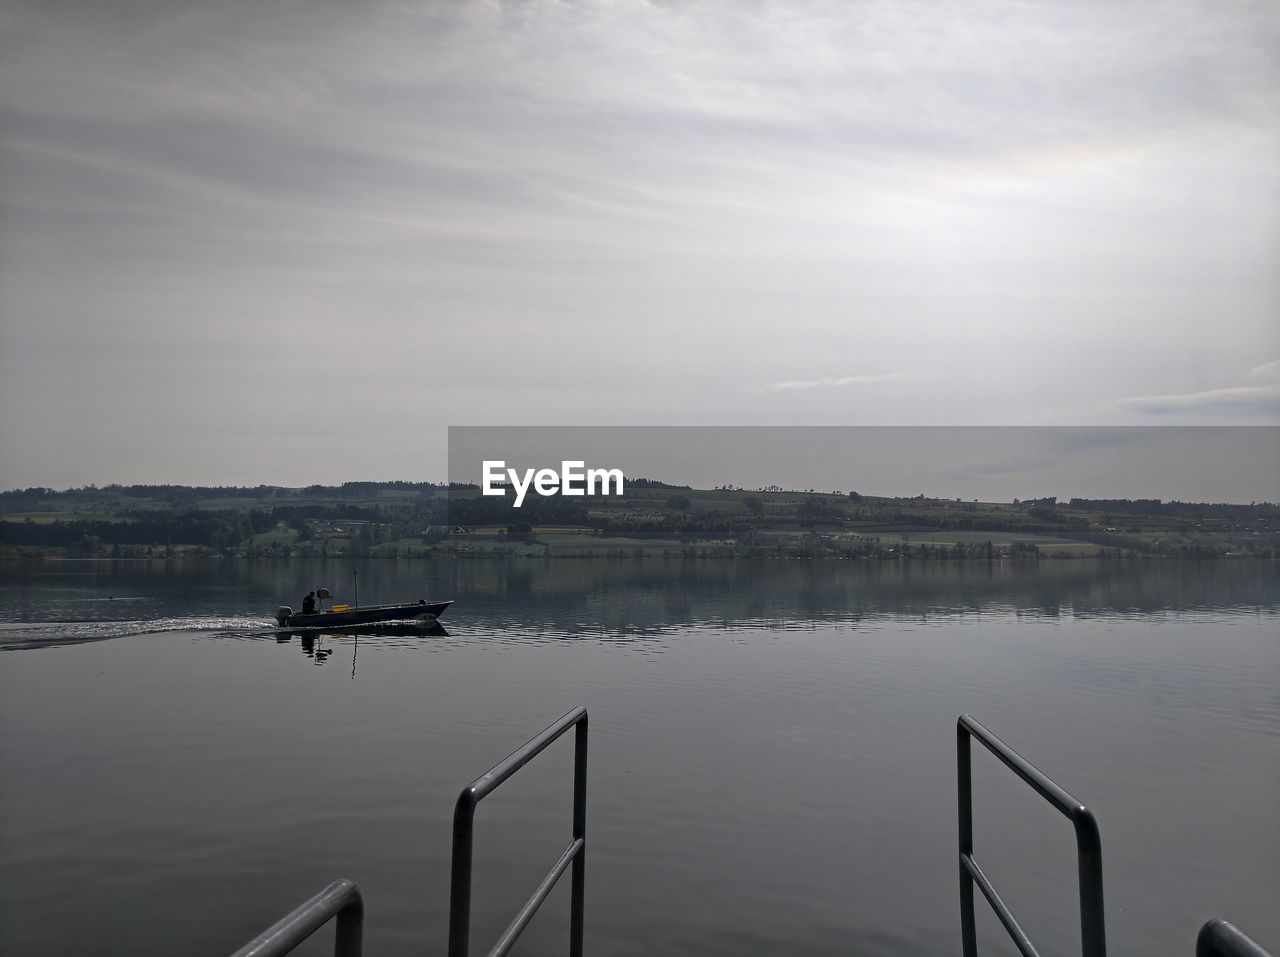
1093,934
964,784
577,905
460,877
463,833
348,935
1093,938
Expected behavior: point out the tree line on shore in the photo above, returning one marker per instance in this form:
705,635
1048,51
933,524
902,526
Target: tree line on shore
147,520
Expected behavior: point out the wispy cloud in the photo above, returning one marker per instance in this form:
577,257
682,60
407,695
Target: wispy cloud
1268,370
1255,397
836,382
1261,401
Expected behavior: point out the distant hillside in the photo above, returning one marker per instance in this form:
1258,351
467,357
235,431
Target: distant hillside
413,519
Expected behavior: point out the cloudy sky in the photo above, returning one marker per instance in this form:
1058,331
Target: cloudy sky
291,242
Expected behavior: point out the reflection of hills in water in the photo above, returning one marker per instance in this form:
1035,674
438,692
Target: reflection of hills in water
569,596
64,603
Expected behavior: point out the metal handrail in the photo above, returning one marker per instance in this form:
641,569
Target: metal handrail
1093,940
575,852
1218,938
341,899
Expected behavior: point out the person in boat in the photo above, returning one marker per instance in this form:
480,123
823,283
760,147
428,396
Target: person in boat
309,604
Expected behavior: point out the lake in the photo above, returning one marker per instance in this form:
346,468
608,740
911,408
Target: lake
772,751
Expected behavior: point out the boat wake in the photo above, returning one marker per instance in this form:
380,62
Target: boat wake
18,636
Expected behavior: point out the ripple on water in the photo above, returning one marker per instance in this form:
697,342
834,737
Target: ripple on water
26,635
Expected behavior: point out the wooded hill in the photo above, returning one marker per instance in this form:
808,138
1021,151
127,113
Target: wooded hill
415,519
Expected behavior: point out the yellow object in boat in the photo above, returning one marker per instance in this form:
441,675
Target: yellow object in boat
340,608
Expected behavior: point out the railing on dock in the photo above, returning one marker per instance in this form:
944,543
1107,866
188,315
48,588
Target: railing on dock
1093,937
340,899
575,853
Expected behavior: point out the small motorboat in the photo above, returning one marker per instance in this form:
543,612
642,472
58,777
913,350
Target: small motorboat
346,616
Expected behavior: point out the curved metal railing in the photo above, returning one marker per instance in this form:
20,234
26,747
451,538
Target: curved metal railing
575,853
340,899
1218,938
1093,936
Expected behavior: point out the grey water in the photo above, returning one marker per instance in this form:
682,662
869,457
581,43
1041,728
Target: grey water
772,751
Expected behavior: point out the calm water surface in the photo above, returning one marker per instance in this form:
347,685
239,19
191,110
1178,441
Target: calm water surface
772,760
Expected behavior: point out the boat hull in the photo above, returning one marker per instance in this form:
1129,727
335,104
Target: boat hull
418,628
370,615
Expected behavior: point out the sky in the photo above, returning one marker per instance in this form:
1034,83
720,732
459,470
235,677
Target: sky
291,243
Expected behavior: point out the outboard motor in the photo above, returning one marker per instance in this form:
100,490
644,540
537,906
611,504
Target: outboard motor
282,614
